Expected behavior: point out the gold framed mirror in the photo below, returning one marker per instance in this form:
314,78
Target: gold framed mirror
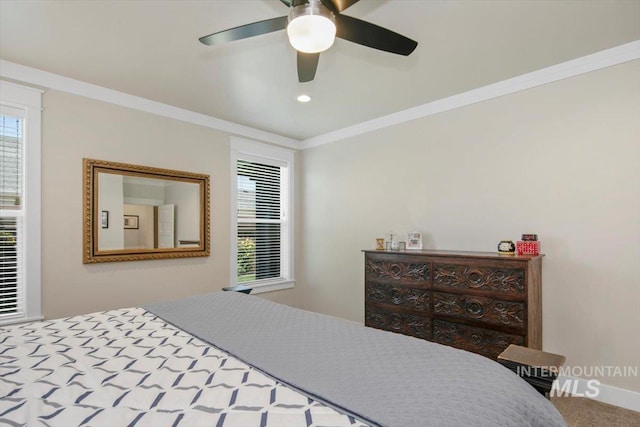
134,212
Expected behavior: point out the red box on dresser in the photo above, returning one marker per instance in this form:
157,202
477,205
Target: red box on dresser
527,247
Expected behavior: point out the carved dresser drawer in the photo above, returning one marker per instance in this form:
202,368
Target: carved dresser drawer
476,301
395,321
398,296
498,279
397,269
480,309
487,342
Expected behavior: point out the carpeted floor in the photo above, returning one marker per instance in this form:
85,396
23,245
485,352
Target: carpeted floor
583,412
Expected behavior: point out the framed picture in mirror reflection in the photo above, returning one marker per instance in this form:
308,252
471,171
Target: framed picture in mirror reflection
104,219
131,222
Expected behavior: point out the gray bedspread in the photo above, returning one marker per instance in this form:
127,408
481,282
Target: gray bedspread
380,377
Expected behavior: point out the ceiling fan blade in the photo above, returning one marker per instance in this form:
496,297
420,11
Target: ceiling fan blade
368,34
245,31
307,66
286,2
337,6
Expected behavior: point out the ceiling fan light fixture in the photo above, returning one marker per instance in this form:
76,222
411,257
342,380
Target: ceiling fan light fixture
311,28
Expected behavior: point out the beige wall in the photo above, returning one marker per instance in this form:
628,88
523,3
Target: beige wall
561,160
75,127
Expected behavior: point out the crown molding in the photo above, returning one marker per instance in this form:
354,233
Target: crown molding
586,64
45,79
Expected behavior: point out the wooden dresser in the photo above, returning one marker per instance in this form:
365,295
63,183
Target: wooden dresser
476,301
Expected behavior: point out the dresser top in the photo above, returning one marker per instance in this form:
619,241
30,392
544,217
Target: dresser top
449,254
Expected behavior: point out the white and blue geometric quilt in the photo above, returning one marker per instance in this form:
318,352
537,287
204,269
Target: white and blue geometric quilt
129,368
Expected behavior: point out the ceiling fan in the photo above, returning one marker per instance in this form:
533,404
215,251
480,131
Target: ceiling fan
312,26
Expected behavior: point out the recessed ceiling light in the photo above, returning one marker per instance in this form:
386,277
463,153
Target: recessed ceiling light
304,98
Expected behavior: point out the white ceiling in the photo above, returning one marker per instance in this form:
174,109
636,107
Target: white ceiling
150,49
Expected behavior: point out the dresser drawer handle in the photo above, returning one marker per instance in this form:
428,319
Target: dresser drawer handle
395,271
474,308
395,322
476,278
396,297
477,339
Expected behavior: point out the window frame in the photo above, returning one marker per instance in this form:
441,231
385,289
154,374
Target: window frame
242,149
29,100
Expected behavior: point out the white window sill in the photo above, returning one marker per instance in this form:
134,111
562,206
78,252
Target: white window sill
15,320
259,288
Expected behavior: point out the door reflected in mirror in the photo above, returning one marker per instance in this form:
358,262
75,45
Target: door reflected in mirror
152,213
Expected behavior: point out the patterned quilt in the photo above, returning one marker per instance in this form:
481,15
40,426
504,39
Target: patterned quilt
129,368
380,377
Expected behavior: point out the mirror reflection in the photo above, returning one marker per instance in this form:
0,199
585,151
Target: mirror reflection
147,213
137,212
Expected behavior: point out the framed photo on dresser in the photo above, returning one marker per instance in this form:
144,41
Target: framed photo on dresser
414,240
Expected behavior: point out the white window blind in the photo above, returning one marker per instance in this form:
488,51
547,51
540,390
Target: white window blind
20,242
11,212
260,220
262,243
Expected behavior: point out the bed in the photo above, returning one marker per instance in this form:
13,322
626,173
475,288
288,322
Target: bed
231,359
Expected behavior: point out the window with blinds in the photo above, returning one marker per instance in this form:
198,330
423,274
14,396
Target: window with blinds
11,212
260,220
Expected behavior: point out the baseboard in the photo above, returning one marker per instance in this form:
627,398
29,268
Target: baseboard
593,389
